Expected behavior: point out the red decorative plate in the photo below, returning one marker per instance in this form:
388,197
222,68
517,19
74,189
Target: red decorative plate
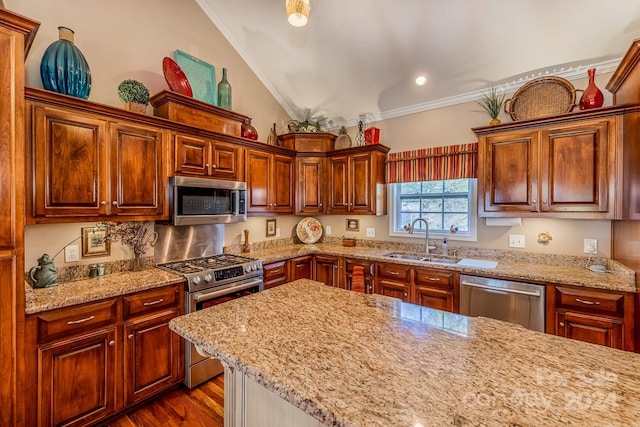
175,78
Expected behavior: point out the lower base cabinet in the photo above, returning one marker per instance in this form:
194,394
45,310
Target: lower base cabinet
95,359
590,315
326,269
274,274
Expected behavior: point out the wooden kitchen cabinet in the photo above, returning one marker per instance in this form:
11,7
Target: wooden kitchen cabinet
95,359
326,269
595,316
205,157
437,289
274,274
356,181
310,185
394,289
301,268
369,271
85,165
270,180
394,280
556,167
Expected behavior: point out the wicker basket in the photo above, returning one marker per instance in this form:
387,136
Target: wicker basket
542,97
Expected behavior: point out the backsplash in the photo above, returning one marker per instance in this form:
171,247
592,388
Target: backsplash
80,272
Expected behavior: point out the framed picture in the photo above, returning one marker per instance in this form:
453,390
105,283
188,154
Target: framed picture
352,224
271,227
94,243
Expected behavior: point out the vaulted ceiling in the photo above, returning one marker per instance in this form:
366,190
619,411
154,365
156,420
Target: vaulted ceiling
361,57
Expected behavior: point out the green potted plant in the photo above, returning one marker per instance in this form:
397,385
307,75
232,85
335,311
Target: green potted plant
492,102
134,95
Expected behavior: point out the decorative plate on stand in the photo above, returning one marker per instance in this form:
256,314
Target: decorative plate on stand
175,78
309,230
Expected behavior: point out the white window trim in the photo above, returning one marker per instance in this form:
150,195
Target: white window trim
473,218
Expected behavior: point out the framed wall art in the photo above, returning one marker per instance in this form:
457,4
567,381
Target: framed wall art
271,227
94,243
352,224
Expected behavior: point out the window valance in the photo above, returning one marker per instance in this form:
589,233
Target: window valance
433,164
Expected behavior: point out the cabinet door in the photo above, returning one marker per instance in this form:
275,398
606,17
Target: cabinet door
432,297
338,190
437,289
258,165
191,155
326,270
310,183
394,289
301,268
594,329
69,164
76,379
226,161
510,179
152,356
575,168
138,178
360,184
281,184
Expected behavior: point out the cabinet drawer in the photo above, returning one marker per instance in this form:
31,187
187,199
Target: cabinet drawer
275,270
68,322
590,300
150,301
437,278
394,271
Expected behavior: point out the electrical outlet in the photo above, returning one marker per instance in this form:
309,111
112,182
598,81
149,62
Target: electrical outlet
327,230
277,231
590,246
516,241
370,232
71,253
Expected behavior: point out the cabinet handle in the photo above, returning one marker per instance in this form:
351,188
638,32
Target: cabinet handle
103,203
561,324
582,301
112,343
158,301
114,203
275,270
130,336
433,279
395,273
75,322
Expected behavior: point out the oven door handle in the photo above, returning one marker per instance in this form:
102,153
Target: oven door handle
226,291
505,290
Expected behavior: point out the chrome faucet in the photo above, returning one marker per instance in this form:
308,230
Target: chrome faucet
412,226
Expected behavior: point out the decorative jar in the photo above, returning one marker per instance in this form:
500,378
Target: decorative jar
592,96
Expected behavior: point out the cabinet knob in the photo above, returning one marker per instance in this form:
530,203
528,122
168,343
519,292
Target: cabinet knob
130,336
114,203
214,166
103,203
544,201
561,324
320,204
405,294
207,165
534,202
112,343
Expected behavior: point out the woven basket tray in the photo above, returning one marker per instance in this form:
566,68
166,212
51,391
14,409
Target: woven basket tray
541,97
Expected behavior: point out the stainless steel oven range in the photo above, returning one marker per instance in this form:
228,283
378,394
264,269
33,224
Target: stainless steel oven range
213,280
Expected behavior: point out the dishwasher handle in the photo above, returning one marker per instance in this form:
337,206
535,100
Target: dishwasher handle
505,290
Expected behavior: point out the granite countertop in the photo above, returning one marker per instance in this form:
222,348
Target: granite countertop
86,290
350,359
531,267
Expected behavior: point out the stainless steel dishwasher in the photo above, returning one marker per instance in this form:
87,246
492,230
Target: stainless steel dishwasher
515,302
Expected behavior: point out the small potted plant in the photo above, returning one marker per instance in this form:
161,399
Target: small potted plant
492,103
134,95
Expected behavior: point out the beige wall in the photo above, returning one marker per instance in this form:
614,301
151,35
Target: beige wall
120,45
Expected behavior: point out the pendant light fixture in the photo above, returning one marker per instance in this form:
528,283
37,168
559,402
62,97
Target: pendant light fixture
298,12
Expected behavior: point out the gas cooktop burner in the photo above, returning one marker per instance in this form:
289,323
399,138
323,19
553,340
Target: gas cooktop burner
215,270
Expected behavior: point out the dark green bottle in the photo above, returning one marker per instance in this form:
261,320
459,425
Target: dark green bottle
224,92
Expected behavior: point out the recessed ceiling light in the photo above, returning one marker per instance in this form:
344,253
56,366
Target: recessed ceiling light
421,80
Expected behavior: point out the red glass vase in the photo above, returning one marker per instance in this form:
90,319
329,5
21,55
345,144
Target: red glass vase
248,131
592,96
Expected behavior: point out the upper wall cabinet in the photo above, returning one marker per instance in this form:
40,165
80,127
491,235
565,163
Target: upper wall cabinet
270,181
84,165
564,166
198,156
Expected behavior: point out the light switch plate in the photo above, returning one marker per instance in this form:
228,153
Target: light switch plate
71,253
371,232
516,241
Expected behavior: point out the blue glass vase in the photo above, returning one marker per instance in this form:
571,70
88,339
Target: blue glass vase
64,69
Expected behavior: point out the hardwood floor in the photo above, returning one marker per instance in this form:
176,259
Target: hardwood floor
200,406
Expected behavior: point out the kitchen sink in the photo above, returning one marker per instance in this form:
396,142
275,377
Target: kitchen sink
422,258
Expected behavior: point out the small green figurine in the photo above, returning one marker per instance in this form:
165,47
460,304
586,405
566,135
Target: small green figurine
44,274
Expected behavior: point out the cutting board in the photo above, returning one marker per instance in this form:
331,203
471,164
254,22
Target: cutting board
480,263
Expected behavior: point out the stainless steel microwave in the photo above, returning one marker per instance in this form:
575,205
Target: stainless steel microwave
197,201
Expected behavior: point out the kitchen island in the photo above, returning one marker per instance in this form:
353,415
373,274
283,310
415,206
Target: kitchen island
334,357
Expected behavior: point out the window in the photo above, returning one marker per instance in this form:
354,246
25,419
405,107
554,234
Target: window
443,203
